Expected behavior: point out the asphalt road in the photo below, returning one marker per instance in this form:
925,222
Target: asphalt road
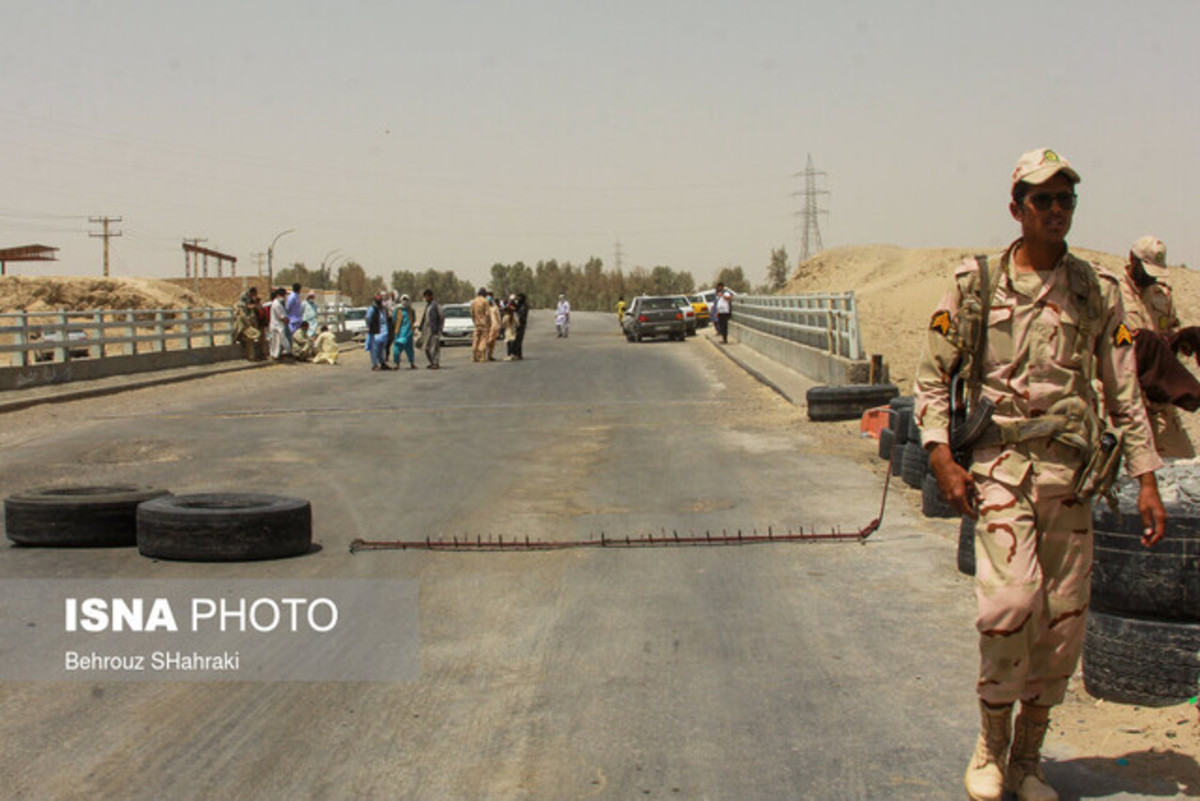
822,671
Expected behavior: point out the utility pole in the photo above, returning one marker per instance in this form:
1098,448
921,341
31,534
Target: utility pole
187,257
810,240
106,235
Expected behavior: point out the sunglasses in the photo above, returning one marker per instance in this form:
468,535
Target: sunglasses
1044,200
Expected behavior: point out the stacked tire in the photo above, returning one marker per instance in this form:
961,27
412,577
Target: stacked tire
1142,644
847,401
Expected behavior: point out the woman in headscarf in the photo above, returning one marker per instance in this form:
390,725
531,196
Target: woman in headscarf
404,327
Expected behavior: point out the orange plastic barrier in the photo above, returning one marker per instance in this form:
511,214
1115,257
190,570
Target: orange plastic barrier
874,421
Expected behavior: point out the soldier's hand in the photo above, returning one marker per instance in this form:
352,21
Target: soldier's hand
1186,341
956,484
1150,505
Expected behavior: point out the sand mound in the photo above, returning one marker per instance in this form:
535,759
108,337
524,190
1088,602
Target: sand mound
897,290
53,293
68,293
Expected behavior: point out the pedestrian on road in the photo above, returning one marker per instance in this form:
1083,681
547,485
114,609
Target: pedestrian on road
493,327
309,312
377,334
277,336
295,310
405,328
304,347
327,347
723,308
431,330
562,317
1030,333
483,321
621,311
509,324
522,323
246,328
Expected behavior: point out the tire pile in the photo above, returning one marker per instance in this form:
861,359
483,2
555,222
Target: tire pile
901,443
1143,631
212,527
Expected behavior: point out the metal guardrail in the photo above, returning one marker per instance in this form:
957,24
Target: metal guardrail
28,338
827,321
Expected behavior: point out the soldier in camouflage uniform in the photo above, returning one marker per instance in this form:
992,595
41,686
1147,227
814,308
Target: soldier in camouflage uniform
1149,307
1054,323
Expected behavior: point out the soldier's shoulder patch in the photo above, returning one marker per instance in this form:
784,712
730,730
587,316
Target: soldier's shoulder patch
1122,336
940,322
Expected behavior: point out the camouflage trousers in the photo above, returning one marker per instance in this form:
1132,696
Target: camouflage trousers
1033,561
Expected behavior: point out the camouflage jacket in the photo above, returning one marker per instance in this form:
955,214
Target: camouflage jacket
1035,365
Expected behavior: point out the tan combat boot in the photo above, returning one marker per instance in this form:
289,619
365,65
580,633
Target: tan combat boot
985,776
1025,777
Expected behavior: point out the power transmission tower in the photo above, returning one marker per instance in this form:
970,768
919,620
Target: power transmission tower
259,258
617,256
106,234
187,257
810,239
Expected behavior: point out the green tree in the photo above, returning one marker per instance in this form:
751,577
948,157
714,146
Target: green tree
777,270
734,278
352,282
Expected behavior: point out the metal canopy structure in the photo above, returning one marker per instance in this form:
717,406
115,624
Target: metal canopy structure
191,269
26,253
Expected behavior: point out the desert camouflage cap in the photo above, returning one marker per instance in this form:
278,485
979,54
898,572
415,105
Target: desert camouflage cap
1152,253
1040,165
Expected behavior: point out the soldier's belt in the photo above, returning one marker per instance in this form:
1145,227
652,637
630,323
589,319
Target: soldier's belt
1049,426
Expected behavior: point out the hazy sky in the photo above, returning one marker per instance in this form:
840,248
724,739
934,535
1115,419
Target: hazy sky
454,135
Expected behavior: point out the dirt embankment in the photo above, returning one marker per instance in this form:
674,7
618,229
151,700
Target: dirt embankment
897,290
67,293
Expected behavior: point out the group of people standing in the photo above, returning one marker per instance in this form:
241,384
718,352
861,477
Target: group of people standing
394,329
494,319
287,326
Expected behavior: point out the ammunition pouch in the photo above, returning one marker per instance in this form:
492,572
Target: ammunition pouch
1097,475
1071,422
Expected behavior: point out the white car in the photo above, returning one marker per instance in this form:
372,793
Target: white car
354,320
457,325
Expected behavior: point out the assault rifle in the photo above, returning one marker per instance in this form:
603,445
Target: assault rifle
967,421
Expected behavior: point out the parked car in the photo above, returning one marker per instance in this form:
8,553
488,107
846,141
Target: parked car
74,338
354,320
458,325
702,308
689,314
654,317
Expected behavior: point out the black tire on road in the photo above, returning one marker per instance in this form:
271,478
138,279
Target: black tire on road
847,401
76,517
1161,582
887,439
916,465
932,502
224,527
1138,661
966,546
